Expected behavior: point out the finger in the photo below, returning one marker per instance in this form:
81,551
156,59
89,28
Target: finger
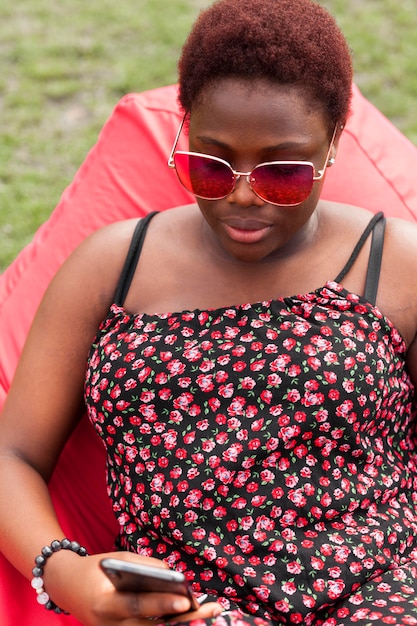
126,605
206,611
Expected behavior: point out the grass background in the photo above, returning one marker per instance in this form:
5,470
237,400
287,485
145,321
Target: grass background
64,65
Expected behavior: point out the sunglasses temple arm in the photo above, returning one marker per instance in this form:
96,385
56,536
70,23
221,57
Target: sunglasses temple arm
171,156
321,172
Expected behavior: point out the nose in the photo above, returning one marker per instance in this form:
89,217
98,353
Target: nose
243,194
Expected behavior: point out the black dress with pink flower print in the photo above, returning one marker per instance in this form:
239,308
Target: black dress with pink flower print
268,451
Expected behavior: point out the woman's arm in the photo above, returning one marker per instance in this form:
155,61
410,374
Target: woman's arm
43,406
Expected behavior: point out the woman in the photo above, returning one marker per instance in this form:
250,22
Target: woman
250,361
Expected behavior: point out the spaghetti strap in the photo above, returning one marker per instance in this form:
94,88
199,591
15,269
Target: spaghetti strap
132,259
375,259
377,227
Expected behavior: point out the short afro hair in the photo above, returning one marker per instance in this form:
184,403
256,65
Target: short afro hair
293,42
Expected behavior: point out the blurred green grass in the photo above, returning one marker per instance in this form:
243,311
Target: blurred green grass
65,65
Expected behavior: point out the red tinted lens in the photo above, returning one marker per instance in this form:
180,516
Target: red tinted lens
205,177
284,184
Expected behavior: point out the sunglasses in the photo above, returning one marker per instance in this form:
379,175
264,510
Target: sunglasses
285,183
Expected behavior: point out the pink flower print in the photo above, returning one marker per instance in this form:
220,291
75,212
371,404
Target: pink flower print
170,339
330,358
183,401
176,417
161,378
309,350
193,498
288,518
251,411
165,393
294,567
293,395
316,563
256,426
267,476
289,587
291,480
129,437
334,572
297,497
247,383
226,391
257,500
184,382
122,405
319,584
280,363
341,554
149,351
289,343
312,399
148,412
258,365
131,453
147,396
308,601
170,439
208,445
175,367
243,542
109,348
330,377
108,406
144,374
236,407
220,511
289,432
321,343
274,380
157,482
301,328
262,593
336,588
192,354
104,383
343,409
314,363
232,453
246,522
283,606
266,396
224,475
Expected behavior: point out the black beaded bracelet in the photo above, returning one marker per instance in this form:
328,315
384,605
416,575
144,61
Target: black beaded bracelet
37,581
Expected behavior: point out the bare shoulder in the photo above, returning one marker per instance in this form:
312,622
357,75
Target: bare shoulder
397,295
400,253
99,259
400,232
92,271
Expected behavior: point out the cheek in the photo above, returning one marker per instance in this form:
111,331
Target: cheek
209,209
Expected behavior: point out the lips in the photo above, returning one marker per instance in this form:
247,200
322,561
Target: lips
246,231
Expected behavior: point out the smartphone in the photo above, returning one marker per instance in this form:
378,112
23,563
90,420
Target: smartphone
128,576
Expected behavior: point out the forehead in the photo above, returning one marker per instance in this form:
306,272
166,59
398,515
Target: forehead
244,106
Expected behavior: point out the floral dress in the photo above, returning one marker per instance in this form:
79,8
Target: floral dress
268,451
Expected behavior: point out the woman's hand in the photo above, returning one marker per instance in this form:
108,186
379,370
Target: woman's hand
79,586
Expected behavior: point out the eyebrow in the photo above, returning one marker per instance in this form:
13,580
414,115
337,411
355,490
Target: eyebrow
286,145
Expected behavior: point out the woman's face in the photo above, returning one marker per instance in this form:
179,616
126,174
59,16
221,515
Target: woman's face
247,123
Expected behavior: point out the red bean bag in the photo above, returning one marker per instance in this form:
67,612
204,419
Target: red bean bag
123,176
